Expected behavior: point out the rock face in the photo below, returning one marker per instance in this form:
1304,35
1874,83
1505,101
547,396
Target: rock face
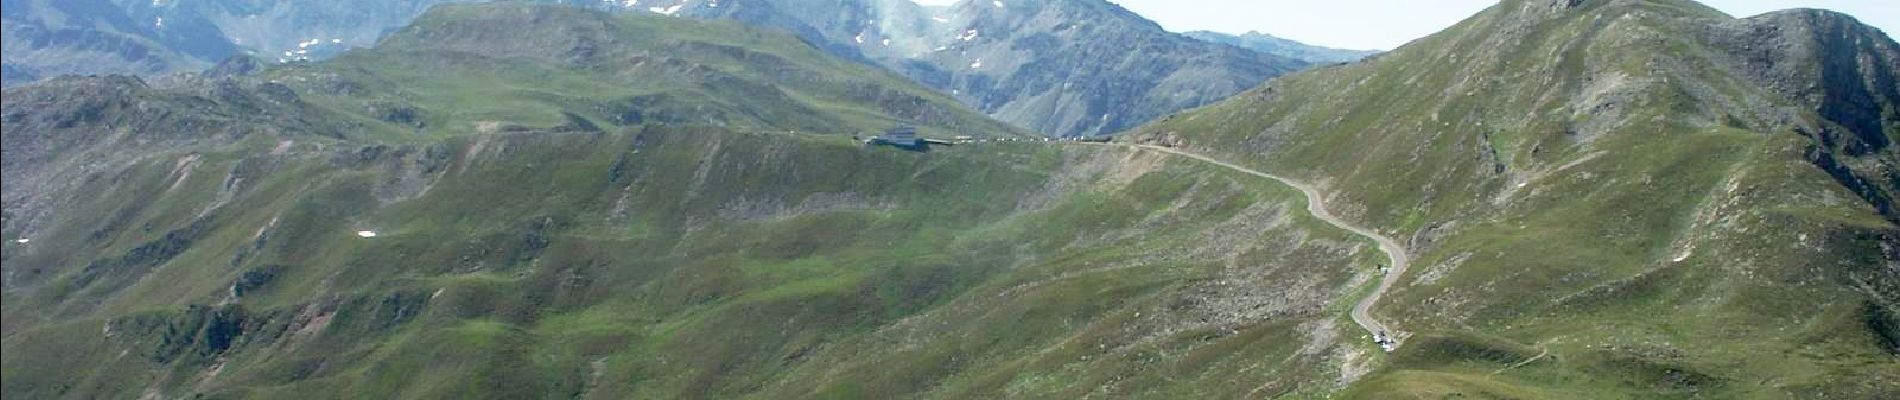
1288,48
1840,70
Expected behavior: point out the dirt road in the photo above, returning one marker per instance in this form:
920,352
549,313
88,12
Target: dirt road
1316,204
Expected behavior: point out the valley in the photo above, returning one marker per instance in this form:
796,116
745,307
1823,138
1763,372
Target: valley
1553,199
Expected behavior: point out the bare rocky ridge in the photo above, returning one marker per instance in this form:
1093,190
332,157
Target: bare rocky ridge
1844,72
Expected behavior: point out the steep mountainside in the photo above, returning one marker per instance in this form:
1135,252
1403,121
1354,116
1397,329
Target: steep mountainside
506,201
1288,48
1611,198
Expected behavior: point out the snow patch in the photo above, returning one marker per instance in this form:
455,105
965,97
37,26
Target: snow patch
366,234
1686,253
667,10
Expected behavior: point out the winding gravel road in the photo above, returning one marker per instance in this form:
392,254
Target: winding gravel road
1316,204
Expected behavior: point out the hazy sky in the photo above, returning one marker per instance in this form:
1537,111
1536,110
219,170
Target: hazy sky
1384,24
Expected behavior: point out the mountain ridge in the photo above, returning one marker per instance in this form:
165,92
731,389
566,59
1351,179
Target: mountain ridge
1589,164
1267,43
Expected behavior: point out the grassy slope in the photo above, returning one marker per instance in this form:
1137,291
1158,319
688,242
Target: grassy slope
1588,184
459,67
667,263
201,238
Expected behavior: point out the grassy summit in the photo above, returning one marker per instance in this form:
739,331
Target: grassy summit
462,69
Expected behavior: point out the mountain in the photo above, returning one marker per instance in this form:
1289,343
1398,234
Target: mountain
1288,48
1060,67
510,201
47,38
1610,198
1598,199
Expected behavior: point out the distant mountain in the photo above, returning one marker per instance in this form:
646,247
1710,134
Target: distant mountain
1060,67
44,38
1288,48
1624,198
47,38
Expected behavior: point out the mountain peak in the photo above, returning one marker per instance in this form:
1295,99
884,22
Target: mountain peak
1812,16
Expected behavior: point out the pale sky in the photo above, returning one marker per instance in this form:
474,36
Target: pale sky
1384,24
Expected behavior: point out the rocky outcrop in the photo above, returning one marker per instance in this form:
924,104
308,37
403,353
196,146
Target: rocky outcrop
1833,65
1836,68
